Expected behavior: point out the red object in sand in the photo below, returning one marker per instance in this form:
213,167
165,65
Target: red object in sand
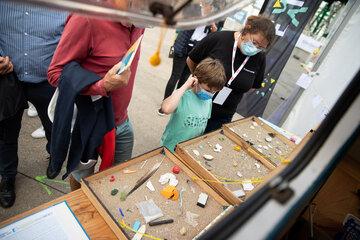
176,169
112,178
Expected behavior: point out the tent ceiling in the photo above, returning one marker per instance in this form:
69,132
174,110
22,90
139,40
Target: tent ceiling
173,13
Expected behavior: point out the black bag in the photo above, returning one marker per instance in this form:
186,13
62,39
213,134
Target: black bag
12,96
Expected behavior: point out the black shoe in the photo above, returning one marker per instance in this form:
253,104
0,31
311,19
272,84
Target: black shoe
7,192
50,173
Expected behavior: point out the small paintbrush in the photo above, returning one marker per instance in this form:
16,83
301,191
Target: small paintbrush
145,178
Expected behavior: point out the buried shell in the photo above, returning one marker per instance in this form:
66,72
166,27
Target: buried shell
208,157
196,152
217,148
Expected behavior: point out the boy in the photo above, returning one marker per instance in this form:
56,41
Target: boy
190,105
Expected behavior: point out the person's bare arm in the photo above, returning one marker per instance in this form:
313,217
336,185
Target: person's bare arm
170,104
191,64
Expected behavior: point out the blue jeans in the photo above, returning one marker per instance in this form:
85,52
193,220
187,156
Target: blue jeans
124,142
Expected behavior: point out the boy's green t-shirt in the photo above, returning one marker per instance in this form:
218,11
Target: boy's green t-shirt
188,121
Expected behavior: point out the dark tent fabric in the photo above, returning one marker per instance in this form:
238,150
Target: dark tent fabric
290,20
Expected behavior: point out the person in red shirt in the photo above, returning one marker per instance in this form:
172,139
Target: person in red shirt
98,45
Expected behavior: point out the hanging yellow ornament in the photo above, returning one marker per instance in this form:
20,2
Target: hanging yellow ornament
155,59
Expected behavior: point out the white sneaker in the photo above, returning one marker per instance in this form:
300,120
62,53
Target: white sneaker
160,113
31,112
38,133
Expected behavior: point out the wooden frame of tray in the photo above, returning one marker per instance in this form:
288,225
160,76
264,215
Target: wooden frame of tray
115,227
205,174
231,134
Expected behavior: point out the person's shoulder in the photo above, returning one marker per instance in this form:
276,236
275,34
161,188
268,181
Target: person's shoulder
188,93
76,17
78,20
221,36
260,57
189,96
224,34
89,21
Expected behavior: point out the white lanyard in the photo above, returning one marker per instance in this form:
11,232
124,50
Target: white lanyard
234,75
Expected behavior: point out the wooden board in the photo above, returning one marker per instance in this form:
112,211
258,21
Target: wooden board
255,133
225,165
337,197
98,188
84,210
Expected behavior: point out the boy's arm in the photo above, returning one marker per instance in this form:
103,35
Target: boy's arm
170,104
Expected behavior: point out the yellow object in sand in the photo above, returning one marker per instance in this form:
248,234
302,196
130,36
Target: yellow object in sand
170,192
237,148
285,161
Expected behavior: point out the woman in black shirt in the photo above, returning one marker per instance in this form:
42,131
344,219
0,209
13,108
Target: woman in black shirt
242,54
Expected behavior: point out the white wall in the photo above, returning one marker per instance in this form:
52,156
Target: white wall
335,73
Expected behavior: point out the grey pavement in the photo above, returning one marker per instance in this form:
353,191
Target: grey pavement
148,126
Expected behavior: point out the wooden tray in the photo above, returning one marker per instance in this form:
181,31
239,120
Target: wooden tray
254,132
98,188
226,163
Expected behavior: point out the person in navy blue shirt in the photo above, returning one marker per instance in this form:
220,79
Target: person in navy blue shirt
28,39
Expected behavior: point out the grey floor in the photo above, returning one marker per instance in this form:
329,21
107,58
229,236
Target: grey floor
148,126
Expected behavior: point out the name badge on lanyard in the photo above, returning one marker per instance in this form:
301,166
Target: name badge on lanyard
225,92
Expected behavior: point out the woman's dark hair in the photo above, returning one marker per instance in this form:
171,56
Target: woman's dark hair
260,24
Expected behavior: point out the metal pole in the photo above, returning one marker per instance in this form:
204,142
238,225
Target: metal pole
263,7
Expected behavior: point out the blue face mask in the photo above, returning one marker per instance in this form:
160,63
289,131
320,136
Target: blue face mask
249,49
204,95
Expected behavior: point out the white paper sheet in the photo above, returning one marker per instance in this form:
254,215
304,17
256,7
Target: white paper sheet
316,101
56,223
304,81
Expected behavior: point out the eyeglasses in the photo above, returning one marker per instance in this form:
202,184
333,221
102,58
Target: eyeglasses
257,45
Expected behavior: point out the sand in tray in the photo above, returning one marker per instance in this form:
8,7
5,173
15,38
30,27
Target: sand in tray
270,146
124,182
228,163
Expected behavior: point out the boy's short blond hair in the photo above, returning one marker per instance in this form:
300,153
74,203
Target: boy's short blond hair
211,72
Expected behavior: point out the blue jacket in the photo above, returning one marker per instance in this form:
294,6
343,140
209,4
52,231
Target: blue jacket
181,45
93,121
181,42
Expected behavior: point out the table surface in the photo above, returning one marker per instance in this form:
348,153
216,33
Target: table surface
88,216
